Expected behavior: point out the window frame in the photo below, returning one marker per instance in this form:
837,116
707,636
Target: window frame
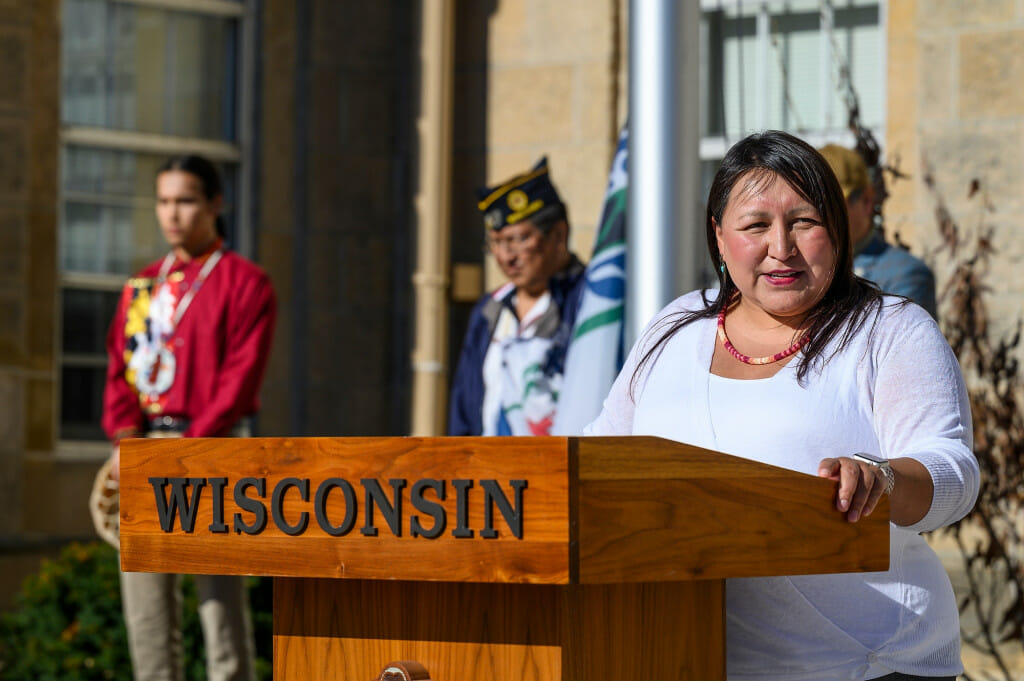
245,12
714,147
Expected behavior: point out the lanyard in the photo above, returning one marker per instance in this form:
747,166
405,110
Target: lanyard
165,268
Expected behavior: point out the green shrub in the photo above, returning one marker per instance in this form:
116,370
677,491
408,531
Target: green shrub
66,624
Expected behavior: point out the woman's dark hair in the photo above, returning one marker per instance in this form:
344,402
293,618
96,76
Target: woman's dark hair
209,178
765,158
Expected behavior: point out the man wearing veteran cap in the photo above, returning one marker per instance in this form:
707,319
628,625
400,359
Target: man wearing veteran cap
510,370
893,269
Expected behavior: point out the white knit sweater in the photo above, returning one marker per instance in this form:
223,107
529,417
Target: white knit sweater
895,390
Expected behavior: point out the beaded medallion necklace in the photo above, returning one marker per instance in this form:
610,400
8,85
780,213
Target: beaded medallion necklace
754,360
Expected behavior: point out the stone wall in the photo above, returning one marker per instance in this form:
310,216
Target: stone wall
334,226
536,78
532,78
31,485
956,109
956,106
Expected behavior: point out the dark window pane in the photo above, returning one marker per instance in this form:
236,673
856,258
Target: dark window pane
87,316
81,403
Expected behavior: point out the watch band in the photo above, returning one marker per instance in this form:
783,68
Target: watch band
883,464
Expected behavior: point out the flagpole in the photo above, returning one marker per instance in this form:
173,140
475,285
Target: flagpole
664,232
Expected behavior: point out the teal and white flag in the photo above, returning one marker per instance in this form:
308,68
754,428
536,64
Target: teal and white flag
596,351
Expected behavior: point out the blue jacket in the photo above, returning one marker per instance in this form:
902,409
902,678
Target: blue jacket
896,271
467,394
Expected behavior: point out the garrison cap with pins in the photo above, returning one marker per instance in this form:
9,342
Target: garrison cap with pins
517,198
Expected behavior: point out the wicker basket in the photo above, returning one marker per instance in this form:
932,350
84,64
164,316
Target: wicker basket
104,505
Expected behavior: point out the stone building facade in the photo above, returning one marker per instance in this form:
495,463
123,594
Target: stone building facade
956,107
33,508
335,157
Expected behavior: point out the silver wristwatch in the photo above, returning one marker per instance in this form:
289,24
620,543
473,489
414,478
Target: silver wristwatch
883,464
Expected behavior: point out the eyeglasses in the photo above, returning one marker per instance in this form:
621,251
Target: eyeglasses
515,243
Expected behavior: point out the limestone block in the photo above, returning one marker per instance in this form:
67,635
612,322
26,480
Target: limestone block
530,106
41,297
586,178
365,269
987,151
505,29
571,30
902,18
354,110
1008,245
12,333
10,490
595,108
13,68
15,12
14,161
275,255
13,251
991,70
40,414
276,200
622,75
1004,311
346,268
13,399
938,66
469,121
1003,282
353,32
468,174
278,30
352,398
55,496
505,164
901,151
938,14
275,399
902,98
913,229
351,193
277,113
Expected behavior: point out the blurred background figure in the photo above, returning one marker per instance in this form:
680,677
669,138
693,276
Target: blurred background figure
894,269
510,370
187,350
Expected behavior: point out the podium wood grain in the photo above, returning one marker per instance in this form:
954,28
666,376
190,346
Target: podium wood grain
542,555
520,632
618,574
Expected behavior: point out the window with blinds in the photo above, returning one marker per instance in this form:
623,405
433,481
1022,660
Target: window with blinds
789,65
141,80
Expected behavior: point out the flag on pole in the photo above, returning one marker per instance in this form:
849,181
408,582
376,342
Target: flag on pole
596,351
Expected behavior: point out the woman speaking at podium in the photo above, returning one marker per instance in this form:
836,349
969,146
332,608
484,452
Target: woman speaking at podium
796,362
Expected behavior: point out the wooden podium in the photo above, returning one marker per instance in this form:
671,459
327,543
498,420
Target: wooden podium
597,559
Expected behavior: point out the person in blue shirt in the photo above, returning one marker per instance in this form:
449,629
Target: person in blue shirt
892,268
510,369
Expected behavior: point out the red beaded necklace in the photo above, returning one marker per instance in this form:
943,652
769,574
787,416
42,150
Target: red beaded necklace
754,360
